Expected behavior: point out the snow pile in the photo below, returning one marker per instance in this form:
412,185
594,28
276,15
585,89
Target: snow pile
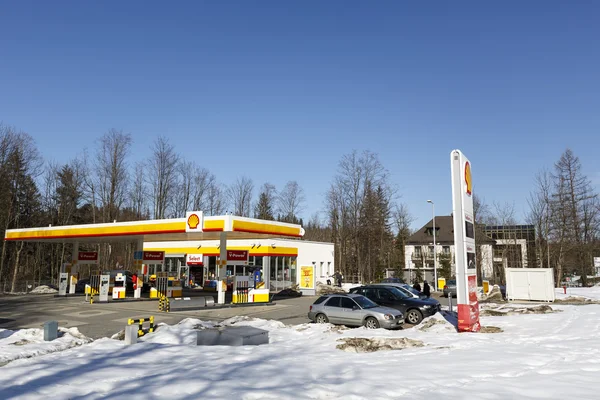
592,293
27,343
328,289
438,323
494,310
44,290
494,295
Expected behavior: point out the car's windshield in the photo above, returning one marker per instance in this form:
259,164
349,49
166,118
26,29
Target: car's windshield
398,292
407,292
411,289
364,302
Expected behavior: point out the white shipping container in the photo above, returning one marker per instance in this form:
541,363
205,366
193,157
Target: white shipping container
534,284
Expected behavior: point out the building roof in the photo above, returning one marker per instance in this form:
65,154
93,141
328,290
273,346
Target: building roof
444,233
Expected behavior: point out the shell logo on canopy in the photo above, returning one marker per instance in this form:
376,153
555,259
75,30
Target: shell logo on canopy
194,221
468,179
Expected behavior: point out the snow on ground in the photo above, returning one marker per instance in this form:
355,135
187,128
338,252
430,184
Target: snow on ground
545,356
589,293
44,290
26,343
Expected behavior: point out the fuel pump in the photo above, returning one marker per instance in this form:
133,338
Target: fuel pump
120,286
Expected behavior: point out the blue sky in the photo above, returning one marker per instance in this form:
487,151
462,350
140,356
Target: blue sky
279,91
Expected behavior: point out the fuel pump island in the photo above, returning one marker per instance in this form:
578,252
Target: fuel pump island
244,257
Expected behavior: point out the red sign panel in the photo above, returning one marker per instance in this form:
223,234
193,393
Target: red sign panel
468,314
87,257
237,255
153,256
194,259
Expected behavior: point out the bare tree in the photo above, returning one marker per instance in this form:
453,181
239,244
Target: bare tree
202,182
540,214
574,212
21,164
359,176
504,215
481,210
216,200
317,230
291,201
90,190
240,196
185,188
403,218
112,172
138,192
403,221
50,185
162,176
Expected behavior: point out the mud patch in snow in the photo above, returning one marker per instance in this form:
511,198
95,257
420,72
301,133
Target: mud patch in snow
370,345
491,329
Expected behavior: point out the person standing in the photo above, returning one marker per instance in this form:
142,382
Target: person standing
417,287
426,289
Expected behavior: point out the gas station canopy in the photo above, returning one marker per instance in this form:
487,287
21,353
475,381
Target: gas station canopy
194,227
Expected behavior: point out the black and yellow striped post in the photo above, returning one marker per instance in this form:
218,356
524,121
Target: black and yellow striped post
94,285
140,322
164,304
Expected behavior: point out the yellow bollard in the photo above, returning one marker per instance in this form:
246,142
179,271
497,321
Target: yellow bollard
486,287
441,283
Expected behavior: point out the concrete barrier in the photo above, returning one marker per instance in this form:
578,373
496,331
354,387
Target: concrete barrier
191,303
233,336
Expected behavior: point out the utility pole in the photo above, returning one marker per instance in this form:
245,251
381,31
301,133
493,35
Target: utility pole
435,282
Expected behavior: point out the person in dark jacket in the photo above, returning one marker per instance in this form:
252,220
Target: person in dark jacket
339,279
417,287
426,289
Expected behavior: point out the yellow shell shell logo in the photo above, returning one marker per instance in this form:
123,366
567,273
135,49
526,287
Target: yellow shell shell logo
193,221
468,179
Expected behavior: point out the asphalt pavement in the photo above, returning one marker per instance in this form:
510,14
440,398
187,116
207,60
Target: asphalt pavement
105,319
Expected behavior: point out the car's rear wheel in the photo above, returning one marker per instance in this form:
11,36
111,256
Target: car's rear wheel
414,317
321,319
371,323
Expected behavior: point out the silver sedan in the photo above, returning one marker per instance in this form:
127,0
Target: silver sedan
354,310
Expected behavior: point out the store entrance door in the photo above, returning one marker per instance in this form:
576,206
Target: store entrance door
282,274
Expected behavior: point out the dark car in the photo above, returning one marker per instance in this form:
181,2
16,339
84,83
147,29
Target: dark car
414,309
392,280
80,285
450,288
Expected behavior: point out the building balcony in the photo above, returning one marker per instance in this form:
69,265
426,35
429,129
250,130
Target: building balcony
419,257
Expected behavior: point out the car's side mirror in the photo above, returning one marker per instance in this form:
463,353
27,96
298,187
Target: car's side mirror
355,308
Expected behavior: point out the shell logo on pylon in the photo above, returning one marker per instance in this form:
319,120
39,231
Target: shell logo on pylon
193,221
468,178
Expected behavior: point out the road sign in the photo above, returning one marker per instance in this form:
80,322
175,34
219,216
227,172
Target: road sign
464,241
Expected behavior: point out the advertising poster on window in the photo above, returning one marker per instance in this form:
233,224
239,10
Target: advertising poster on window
464,240
307,279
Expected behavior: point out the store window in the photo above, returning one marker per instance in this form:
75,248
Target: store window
283,272
293,271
